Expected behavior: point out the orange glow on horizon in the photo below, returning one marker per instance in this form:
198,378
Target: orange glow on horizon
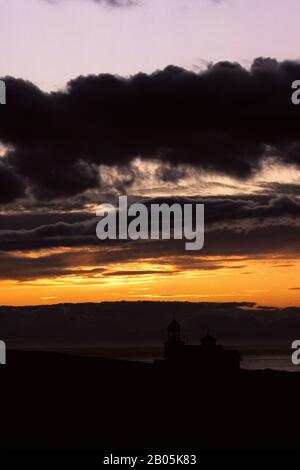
264,281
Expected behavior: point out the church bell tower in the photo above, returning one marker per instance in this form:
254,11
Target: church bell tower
174,344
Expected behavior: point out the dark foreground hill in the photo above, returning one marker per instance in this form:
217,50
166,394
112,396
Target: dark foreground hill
53,401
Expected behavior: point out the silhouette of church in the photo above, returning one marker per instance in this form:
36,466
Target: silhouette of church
207,355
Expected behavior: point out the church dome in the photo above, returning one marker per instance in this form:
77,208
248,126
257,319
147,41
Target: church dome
208,341
174,326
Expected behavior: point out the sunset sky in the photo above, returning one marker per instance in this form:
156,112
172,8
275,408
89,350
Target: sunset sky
52,41
178,100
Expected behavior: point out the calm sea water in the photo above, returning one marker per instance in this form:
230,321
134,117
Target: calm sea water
269,361
250,360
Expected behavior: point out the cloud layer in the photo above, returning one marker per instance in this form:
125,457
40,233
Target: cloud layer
249,227
226,119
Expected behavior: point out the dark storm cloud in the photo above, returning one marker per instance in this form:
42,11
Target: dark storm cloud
225,119
291,189
22,268
11,184
59,234
230,209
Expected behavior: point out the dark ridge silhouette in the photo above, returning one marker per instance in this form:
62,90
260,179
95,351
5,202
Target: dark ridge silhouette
62,401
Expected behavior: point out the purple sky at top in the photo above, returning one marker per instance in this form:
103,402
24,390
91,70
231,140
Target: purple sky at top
51,42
